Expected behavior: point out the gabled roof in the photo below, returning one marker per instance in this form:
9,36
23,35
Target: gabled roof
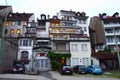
19,16
104,56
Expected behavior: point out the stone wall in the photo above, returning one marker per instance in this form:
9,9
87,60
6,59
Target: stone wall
9,53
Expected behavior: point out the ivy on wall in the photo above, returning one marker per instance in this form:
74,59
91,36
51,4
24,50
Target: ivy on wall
55,59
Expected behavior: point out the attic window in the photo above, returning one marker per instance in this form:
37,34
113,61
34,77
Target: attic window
43,17
78,14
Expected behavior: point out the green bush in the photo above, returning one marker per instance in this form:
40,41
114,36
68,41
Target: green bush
55,59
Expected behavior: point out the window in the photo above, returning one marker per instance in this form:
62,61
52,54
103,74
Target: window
25,42
18,31
84,22
24,55
85,29
25,23
33,30
74,47
6,31
75,61
20,43
109,39
12,31
13,23
30,42
19,22
86,61
7,23
84,47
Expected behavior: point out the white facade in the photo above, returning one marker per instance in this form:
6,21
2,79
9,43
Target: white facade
80,48
28,49
80,53
84,26
112,32
25,49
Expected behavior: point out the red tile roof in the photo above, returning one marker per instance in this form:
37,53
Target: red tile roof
105,56
19,16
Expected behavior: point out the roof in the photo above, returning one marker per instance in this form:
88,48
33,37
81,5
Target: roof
104,56
19,16
67,11
2,7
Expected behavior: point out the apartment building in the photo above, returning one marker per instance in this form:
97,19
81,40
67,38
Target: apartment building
112,29
42,44
16,22
105,35
69,36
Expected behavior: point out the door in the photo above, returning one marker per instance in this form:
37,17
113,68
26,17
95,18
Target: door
42,64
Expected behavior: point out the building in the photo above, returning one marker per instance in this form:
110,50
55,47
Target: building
105,35
69,34
111,28
16,22
97,36
42,44
8,49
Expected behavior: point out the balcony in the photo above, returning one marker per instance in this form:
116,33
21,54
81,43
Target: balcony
66,38
61,51
65,26
111,25
66,32
112,33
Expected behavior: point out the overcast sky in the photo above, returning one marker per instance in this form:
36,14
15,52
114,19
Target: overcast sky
51,7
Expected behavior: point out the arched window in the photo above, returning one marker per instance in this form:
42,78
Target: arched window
24,55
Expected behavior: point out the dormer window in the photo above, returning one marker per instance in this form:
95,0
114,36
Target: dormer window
43,17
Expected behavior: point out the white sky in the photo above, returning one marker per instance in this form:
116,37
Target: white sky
51,7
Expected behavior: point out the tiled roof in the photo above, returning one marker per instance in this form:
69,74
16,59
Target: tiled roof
2,7
19,16
104,56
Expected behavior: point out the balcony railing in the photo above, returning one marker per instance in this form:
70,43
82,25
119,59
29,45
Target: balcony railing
77,32
112,25
61,51
66,38
66,26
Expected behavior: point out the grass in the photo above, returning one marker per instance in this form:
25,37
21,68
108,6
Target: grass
107,74
113,74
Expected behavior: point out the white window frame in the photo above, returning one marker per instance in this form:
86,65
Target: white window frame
74,47
75,61
84,47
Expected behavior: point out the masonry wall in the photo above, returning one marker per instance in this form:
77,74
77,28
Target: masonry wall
9,53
